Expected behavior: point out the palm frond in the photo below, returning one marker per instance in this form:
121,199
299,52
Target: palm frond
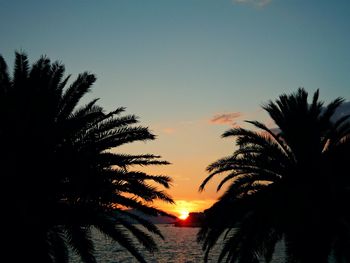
145,191
330,110
132,202
282,184
124,160
118,137
140,220
77,181
113,123
4,76
58,247
74,93
141,177
114,231
79,237
284,147
21,69
142,237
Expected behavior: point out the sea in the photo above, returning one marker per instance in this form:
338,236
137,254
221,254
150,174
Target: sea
179,246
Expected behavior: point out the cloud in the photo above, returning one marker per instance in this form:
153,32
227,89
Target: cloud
257,3
226,118
193,205
169,131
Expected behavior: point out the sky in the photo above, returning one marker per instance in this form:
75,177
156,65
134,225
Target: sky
190,69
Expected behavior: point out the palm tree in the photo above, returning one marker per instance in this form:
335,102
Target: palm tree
62,175
288,183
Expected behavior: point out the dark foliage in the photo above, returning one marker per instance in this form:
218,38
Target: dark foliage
290,183
61,175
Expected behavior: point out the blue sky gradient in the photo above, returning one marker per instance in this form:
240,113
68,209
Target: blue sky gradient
178,63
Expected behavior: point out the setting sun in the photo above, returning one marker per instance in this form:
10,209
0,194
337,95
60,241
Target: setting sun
183,214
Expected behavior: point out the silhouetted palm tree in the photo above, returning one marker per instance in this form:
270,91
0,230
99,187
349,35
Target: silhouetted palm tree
60,173
289,183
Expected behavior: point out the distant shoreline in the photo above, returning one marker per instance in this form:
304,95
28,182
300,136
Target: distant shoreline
193,220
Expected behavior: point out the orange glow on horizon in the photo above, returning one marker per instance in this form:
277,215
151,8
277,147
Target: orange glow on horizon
182,206
184,214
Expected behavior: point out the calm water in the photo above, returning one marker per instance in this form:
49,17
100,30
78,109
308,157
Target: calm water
179,246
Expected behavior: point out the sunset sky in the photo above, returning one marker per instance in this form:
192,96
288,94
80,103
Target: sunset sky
190,69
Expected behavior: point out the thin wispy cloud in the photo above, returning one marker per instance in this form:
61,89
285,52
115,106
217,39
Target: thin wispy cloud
229,118
257,3
193,205
169,130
